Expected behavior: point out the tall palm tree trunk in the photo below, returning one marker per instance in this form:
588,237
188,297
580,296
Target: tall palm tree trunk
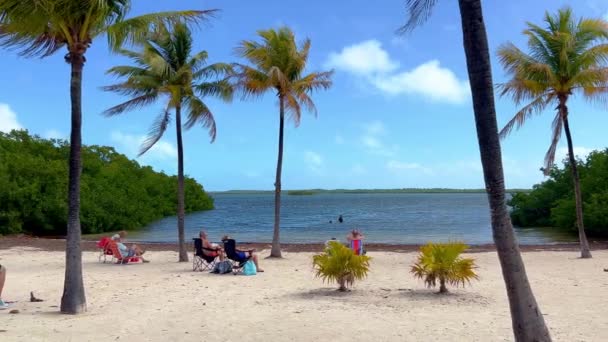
181,213
527,319
74,300
275,251
578,198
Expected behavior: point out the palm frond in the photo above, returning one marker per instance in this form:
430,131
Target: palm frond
292,108
137,102
199,114
221,89
557,125
156,131
419,12
534,107
137,29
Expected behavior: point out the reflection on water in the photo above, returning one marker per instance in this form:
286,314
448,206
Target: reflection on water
384,218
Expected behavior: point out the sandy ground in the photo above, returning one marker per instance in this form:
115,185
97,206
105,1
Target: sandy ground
166,301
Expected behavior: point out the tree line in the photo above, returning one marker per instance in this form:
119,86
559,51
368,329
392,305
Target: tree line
552,203
116,192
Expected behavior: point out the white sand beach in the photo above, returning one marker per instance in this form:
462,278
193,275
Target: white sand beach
166,301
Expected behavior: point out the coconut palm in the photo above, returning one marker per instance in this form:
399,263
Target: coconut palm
567,57
278,65
340,264
527,320
165,68
441,263
43,27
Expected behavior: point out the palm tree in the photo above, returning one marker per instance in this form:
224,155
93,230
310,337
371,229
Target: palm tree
527,320
43,27
567,57
278,65
166,68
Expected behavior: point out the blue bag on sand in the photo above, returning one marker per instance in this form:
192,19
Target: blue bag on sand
249,268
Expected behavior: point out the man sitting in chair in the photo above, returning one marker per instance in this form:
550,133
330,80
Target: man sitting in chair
239,255
208,246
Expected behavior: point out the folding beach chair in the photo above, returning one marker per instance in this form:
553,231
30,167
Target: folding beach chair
201,261
104,249
232,254
119,258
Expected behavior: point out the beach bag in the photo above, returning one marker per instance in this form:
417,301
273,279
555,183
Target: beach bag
222,267
249,269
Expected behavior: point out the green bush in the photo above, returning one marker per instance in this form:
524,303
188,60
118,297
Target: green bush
116,193
551,203
340,264
441,263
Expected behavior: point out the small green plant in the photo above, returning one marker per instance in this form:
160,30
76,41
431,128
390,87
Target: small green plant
340,264
441,262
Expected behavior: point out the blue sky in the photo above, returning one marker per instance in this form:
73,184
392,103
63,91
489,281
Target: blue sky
399,113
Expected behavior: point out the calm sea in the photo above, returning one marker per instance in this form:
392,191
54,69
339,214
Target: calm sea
383,218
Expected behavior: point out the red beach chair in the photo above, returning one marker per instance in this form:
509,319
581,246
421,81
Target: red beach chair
104,249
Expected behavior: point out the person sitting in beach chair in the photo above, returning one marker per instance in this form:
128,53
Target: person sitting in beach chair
240,256
127,254
355,241
205,253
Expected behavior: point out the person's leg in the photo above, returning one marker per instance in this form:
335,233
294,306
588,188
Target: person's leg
255,261
2,279
137,251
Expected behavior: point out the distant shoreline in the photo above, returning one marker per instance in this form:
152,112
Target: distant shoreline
296,192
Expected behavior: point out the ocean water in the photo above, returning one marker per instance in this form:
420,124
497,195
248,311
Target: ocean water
383,218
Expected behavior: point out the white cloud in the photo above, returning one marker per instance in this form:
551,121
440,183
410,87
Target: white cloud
606,16
428,79
370,62
53,134
313,160
339,140
579,152
364,58
8,119
371,139
131,144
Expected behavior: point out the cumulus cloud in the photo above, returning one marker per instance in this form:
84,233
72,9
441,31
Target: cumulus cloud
131,144
372,139
363,58
370,62
8,119
430,80
313,160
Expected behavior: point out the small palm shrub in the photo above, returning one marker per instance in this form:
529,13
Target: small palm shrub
441,263
340,264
